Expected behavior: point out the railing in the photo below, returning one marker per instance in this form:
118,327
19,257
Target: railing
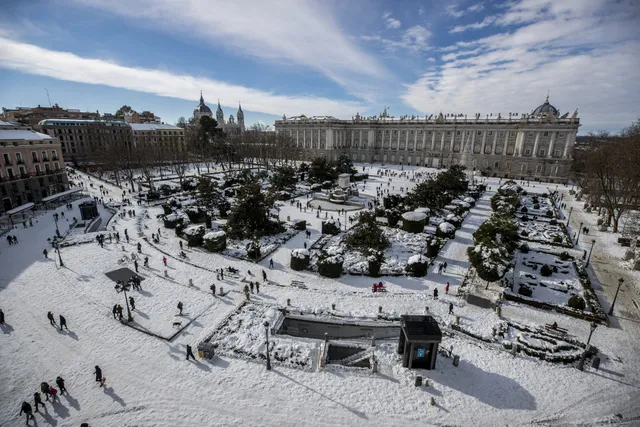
35,160
7,162
20,162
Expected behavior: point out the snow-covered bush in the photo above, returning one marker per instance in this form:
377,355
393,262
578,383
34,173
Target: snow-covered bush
300,225
253,250
172,220
330,265
549,213
414,222
577,302
525,290
196,214
194,235
524,209
433,247
490,261
330,226
446,230
215,241
417,265
393,217
524,248
546,270
455,220
299,259
564,256
375,260
167,209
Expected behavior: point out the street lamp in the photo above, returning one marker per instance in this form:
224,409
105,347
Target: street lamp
569,217
266,332
593,327
593,242
620,281
124,287
59,257
579,230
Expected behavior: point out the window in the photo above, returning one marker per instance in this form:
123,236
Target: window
560,134
538,168
7,159
546,134
530,133
19,158
527,151
490,132
44,156
47,167
54,155
479,132
541,153
448,132
556,153
38,169
22,171
10,173
34,155
458,133
496,165
500,133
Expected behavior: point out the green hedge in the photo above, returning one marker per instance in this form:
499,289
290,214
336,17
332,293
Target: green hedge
330,228
216,245
414,226
332,270
418,269
298,264
172,224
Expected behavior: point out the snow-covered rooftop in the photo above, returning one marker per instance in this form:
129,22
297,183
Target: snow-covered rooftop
152,126
23,135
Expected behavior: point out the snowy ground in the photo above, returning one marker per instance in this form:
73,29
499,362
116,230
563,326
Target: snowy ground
149,383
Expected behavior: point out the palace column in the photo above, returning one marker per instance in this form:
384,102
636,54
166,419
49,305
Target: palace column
473,141
519,143
551,144
484,141
495,140
568,143
433,140
506,141
536,144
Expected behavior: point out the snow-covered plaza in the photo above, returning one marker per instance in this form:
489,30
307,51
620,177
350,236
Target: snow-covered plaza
149,382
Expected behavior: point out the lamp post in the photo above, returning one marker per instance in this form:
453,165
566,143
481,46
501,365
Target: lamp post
125,287
593,327
569,217
59,257
266,332
593,242
620,281
579,230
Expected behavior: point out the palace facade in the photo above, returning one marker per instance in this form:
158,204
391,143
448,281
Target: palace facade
528,146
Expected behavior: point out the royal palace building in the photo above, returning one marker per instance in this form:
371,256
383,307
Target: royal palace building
528,146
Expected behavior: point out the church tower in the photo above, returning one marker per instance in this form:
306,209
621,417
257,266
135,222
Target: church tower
219,115
240,117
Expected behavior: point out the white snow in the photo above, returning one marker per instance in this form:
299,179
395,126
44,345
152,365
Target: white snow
414,216
214,235
446,227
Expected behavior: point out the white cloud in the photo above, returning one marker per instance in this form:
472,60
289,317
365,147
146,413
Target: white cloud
476,7
454,11
300,32
414,39
32,59
431,59
587,58
390,22
420,11
488,20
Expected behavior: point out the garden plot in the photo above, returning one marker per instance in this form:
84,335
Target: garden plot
403,246
548,232
267,244
537,205
242,334
556,288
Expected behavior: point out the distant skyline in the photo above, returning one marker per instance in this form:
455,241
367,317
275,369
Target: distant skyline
325,57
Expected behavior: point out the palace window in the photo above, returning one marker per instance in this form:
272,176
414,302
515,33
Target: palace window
538,168
458,133
527,151
496,165
546,134
479,132
490,132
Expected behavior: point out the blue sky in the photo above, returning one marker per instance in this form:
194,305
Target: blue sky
325,57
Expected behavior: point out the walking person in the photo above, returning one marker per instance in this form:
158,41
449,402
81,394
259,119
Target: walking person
213,289
37,399
450,308
99,377
119,308
435,293
63,323
135,264
180,306
60,383
257,287
44,388
54,394
190,353
246,291
271,263
264,276
446,288
146,261
52,320
1,317
164,260
132,303
114,311
445,267
251,286
28,412
45,253
180,244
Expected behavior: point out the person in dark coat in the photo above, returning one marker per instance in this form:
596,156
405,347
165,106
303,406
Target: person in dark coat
435,293
98,373
26,408
180,244
1,317
213,289
450,308
119,312
180,306
135,264
60,384
44,388
251,286
264,275
257,287
132,303
45,253
114,311
37,399
190,353
63,322
52,320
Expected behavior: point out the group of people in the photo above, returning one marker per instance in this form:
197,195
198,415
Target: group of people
13,240
52,320
49,391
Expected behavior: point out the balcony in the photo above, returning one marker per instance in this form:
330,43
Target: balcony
44,159
7,162
20,162
35,160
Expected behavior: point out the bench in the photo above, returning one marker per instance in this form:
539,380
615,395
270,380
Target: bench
557,329
298,284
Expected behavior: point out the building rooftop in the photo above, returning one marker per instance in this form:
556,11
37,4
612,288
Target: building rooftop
421,328
79,122
153,126
23,135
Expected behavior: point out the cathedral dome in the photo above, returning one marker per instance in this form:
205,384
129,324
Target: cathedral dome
546,108
201,108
